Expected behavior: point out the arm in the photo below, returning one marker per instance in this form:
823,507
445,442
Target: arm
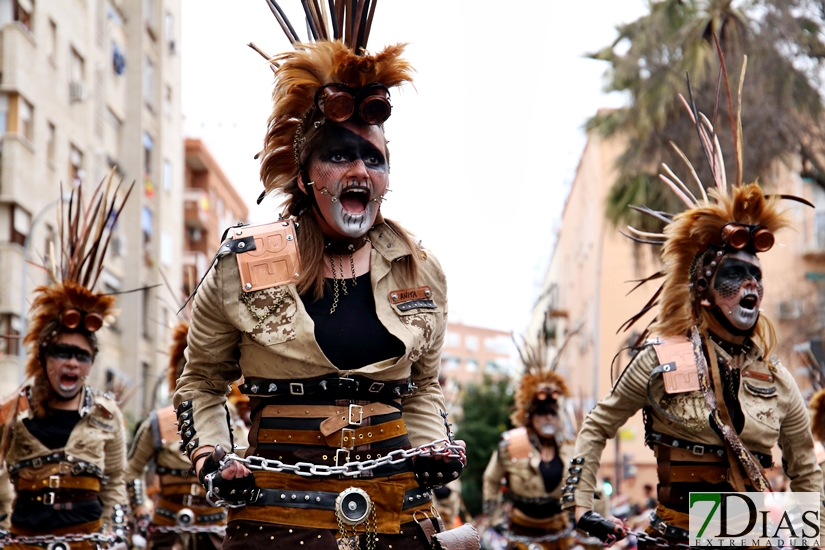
6,497
492,484
113,494
140,453
211,366
422,409
627,397
797,444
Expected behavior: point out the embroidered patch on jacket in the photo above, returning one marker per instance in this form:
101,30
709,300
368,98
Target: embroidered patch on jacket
404,295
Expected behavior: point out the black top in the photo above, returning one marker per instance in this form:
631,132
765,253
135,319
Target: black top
53,431
353,336
551,473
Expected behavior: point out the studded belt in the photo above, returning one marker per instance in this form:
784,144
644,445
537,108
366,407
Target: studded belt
337,387
58,482
178,472
700,449
61,497
325,500
74,466
668,531
202,518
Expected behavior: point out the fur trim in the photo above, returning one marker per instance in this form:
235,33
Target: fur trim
690,234
533,384
817,408
176,359
300,75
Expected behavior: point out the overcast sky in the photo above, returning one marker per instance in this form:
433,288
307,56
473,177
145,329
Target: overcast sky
483,149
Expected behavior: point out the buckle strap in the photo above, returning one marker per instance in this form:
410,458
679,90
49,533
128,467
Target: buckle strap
699,449
325,500
76,467
668,531
177,472
346,387
202,518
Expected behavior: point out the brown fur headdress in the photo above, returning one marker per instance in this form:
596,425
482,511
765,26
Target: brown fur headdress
540,381
338,56
692,242
84,234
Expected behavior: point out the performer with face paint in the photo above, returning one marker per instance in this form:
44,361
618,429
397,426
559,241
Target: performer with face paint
715,398
529,468
334,316
63,443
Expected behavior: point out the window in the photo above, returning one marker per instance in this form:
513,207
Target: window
77,72
452,340
169,29
149,17
4,111
450,363
146,304
148,145
50,130
166,248
146,224
471,342
118,59
149,83
25,115
167,175
21,221
51,42
75,165
23,11
472,365
10,328
167,101
112,134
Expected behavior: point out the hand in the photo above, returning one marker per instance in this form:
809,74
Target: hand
592,523
437,470
233,482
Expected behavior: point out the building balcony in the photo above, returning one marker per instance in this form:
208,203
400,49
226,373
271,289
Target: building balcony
17,167
17,57
196,209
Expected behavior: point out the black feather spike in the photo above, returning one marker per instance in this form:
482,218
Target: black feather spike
283,20
662,216
640,282
642,241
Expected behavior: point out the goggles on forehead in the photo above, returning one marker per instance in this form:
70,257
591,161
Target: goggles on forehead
738,236
71,318
340,103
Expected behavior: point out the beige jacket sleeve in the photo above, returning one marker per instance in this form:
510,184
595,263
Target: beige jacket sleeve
140,453
797,444
492,479
211,364
114,492
6,496
422,409
627,397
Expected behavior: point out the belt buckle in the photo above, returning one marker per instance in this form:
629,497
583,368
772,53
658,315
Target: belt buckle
296,388
48,498
37,462
699,450
337,453
375,387
347,439
194,490
360,413
187,500
661,527
54,483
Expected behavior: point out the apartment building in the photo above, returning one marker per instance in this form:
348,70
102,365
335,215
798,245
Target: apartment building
86,86
588,278
471,352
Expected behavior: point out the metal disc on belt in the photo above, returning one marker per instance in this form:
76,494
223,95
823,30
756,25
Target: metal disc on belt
186,517
58,546
352,506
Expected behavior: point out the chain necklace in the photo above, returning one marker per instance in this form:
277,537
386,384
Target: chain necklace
343,281
349,534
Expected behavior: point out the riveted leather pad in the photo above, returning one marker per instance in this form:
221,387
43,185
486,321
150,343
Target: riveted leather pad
273,260
680,372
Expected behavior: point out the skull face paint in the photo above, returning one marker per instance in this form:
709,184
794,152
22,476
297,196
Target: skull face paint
737,289
546,424
68,361
350,173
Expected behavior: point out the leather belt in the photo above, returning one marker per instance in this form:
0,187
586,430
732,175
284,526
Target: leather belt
194,489
77,467
346,387
58,497
694,474
700,449
58,482
336,417
178,472
324,500
202,518
668,531
345,438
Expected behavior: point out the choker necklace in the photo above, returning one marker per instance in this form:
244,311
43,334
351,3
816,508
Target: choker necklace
345,246
731,349
342,280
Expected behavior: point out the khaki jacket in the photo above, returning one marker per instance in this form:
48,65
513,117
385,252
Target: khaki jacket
778,417
223,342
98,438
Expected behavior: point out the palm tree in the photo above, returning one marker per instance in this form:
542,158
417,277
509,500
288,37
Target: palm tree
781,104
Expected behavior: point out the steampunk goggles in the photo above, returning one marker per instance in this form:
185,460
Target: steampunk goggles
72,318
739,236
340,103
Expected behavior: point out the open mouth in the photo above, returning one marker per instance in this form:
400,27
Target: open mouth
354,200
69,380
748,302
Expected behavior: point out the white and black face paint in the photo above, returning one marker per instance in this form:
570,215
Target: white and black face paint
546,425
737,289
350,174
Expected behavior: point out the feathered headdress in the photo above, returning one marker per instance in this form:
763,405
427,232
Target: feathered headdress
335,54
540,382
70,301
723,220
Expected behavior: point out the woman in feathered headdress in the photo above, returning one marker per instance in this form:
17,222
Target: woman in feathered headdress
63,443
715,399
332,314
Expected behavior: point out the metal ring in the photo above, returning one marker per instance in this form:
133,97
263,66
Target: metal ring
353,506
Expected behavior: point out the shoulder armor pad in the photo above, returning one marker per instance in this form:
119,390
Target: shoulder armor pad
13,404
518,443
267,254
678,364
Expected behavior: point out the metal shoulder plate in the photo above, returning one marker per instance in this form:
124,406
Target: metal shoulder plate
267,254
677,364
518,443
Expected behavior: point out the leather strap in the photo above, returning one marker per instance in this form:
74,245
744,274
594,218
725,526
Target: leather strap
200,518
345,439
58,497
337,417
177,472
193,489
58,482
668,531
689,451
76,467
325,500
696,473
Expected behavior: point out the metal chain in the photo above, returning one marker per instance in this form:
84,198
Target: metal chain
48,539
269,310
440,448
352,268
334,286
213,529
341,269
